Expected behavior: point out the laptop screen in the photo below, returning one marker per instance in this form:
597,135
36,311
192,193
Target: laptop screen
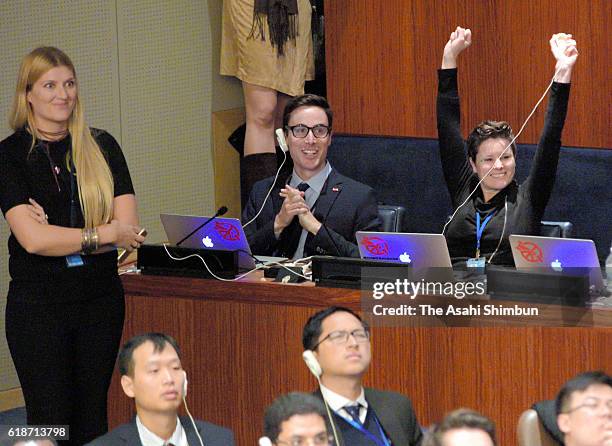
224,234
417,250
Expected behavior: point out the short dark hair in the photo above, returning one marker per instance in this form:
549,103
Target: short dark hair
487,130
126,354
312,329
307,100
460,419
579,383
286,406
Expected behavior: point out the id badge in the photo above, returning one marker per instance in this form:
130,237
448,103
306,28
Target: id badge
476,263
74,260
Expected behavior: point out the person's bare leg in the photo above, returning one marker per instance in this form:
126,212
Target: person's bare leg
281,101
280,108
259,160
260,103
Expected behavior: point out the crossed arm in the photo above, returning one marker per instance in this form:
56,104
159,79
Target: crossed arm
29,225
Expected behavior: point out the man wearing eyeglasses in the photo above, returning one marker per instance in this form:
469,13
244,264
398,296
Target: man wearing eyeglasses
340,342
316,210
584,410
296,419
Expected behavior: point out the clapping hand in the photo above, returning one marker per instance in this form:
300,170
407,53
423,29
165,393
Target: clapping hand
293,204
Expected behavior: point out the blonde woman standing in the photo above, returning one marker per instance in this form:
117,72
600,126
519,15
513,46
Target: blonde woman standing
66,193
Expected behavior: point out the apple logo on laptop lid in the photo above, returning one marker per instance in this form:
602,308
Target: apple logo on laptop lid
206,241
405,258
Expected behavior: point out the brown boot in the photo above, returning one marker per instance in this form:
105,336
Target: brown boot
254,168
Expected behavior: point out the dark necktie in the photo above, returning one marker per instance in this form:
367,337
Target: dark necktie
292,233
353,411
303,187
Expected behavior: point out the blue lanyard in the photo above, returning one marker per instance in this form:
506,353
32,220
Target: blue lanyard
480,229
367,433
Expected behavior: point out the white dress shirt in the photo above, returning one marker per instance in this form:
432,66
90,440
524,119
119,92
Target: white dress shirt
337,402
148,438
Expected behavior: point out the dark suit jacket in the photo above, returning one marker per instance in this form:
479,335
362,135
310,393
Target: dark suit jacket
344,207
396,415
127,435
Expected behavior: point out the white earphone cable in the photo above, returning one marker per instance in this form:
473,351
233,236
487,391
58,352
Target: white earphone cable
195,428
235,278
504,151
269,191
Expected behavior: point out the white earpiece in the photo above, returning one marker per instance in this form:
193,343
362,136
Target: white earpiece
312,363
195,428
315,368
265,441
280,136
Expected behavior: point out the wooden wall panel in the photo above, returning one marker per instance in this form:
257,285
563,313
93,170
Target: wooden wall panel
382,58
241,347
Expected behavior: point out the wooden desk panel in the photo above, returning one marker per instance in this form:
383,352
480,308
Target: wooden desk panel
241,346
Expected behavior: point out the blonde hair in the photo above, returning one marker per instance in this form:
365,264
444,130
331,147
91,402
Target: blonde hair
94,178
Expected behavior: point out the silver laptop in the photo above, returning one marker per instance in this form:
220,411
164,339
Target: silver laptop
563,255
423,252
223,234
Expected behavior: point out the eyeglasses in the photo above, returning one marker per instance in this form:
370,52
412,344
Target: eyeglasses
301,130
318,440
340,337
593,406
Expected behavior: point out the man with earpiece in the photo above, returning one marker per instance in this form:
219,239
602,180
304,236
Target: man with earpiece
152,374
316,211
296,419
337,351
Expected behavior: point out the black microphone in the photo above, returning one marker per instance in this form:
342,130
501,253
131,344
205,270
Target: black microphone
221,211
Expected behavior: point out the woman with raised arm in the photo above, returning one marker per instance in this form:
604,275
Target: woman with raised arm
67,196
482,221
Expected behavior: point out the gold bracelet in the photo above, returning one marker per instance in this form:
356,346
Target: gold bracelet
95,239
89,240
84,240
88,246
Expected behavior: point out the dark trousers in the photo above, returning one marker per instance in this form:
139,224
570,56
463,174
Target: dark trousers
64,351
